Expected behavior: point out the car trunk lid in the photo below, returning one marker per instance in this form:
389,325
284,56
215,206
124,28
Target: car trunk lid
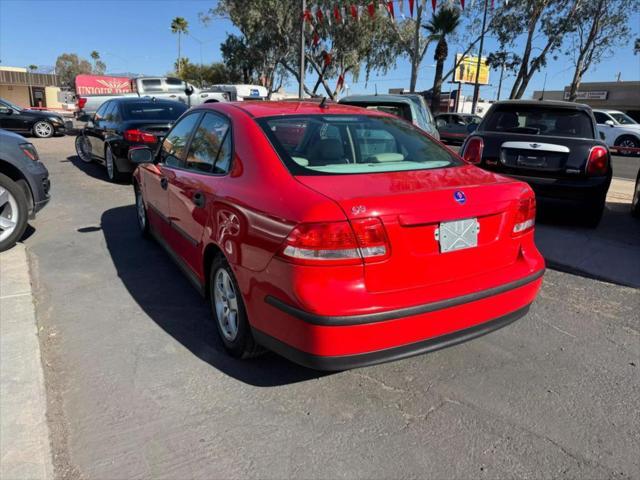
415,207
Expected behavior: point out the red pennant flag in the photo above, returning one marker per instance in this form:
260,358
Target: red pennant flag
411,7
462,4
327,58
340,82
433,5
316,39
372,9
336,14
319,15
308,16
354,12
392,13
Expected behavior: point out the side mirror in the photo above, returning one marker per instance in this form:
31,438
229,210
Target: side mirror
610,123
140,155
472,127
602,136
188,91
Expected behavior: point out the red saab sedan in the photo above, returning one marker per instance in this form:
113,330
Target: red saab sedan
336,236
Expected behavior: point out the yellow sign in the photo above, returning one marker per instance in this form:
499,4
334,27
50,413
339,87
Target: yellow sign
466,70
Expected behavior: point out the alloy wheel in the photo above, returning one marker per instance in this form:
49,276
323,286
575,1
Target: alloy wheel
142,214
83,148
226,304
43,129
109,162
8,213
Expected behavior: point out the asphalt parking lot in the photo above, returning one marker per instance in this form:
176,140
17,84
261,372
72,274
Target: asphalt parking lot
138,385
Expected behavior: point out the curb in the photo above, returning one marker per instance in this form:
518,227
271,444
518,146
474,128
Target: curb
25,449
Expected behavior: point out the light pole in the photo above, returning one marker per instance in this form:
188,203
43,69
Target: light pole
476,88
303,4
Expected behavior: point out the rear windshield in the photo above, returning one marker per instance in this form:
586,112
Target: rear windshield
534,120
351,144
153,111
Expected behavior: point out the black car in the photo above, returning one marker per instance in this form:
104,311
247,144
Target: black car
453,127
24,186
553,146
121,123
38,123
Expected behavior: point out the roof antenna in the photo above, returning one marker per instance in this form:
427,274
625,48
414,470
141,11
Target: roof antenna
323,102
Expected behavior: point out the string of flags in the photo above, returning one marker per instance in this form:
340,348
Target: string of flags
341,12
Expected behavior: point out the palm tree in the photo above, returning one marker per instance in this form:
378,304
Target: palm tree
443,23
179,25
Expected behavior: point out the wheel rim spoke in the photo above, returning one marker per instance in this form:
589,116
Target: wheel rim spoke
226,304
6,223
4,196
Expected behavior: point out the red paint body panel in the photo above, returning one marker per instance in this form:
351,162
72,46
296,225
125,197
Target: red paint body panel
249,213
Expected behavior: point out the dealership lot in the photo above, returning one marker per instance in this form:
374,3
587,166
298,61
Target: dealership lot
138,384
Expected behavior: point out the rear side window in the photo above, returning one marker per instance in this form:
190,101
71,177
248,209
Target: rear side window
153,111
535,120
175,85
600,117
351,144
152,85
174,146
210,149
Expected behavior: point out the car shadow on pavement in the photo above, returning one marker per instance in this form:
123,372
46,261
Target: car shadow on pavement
92,169
166,296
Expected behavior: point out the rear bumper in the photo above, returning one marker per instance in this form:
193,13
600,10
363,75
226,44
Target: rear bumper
345,362
579,190
340,342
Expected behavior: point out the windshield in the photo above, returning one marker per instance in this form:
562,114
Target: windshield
153,111
11,105
539,120
623,119
351,144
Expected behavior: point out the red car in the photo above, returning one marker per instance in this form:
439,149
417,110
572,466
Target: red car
336,236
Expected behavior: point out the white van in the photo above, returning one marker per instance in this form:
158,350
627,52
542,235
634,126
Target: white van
241,93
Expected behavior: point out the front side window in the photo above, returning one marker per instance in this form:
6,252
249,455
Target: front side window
351,144
539,120
623,119
601,118
174,145
209,151
100,113
8,104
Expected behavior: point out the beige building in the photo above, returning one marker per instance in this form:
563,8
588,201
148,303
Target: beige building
27,89
624,96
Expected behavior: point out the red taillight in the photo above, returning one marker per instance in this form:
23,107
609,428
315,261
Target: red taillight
337,243
138,136
81,102
598,162
526,215
473,150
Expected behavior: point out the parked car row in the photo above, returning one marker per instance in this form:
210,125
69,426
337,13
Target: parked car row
271,208
41,124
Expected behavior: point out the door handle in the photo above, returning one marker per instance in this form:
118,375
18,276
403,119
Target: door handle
164,183
198,199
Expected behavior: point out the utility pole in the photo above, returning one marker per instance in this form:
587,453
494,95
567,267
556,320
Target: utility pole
500,82
303,3
476,88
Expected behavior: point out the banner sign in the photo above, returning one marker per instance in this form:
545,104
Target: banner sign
102,85
593,95
466,71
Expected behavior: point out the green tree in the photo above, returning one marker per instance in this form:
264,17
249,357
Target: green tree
636,47
604,25
69,65
179,26
32,68
443,23
521,23
239,58
205,75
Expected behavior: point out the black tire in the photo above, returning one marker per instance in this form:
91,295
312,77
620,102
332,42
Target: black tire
243,345
83,149
113,174
628,141
22,213
635,203
592,214
43,129
141,213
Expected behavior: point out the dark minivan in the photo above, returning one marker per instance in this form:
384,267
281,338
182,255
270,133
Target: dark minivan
121,123
553,146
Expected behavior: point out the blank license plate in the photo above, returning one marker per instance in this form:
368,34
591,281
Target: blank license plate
458,235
